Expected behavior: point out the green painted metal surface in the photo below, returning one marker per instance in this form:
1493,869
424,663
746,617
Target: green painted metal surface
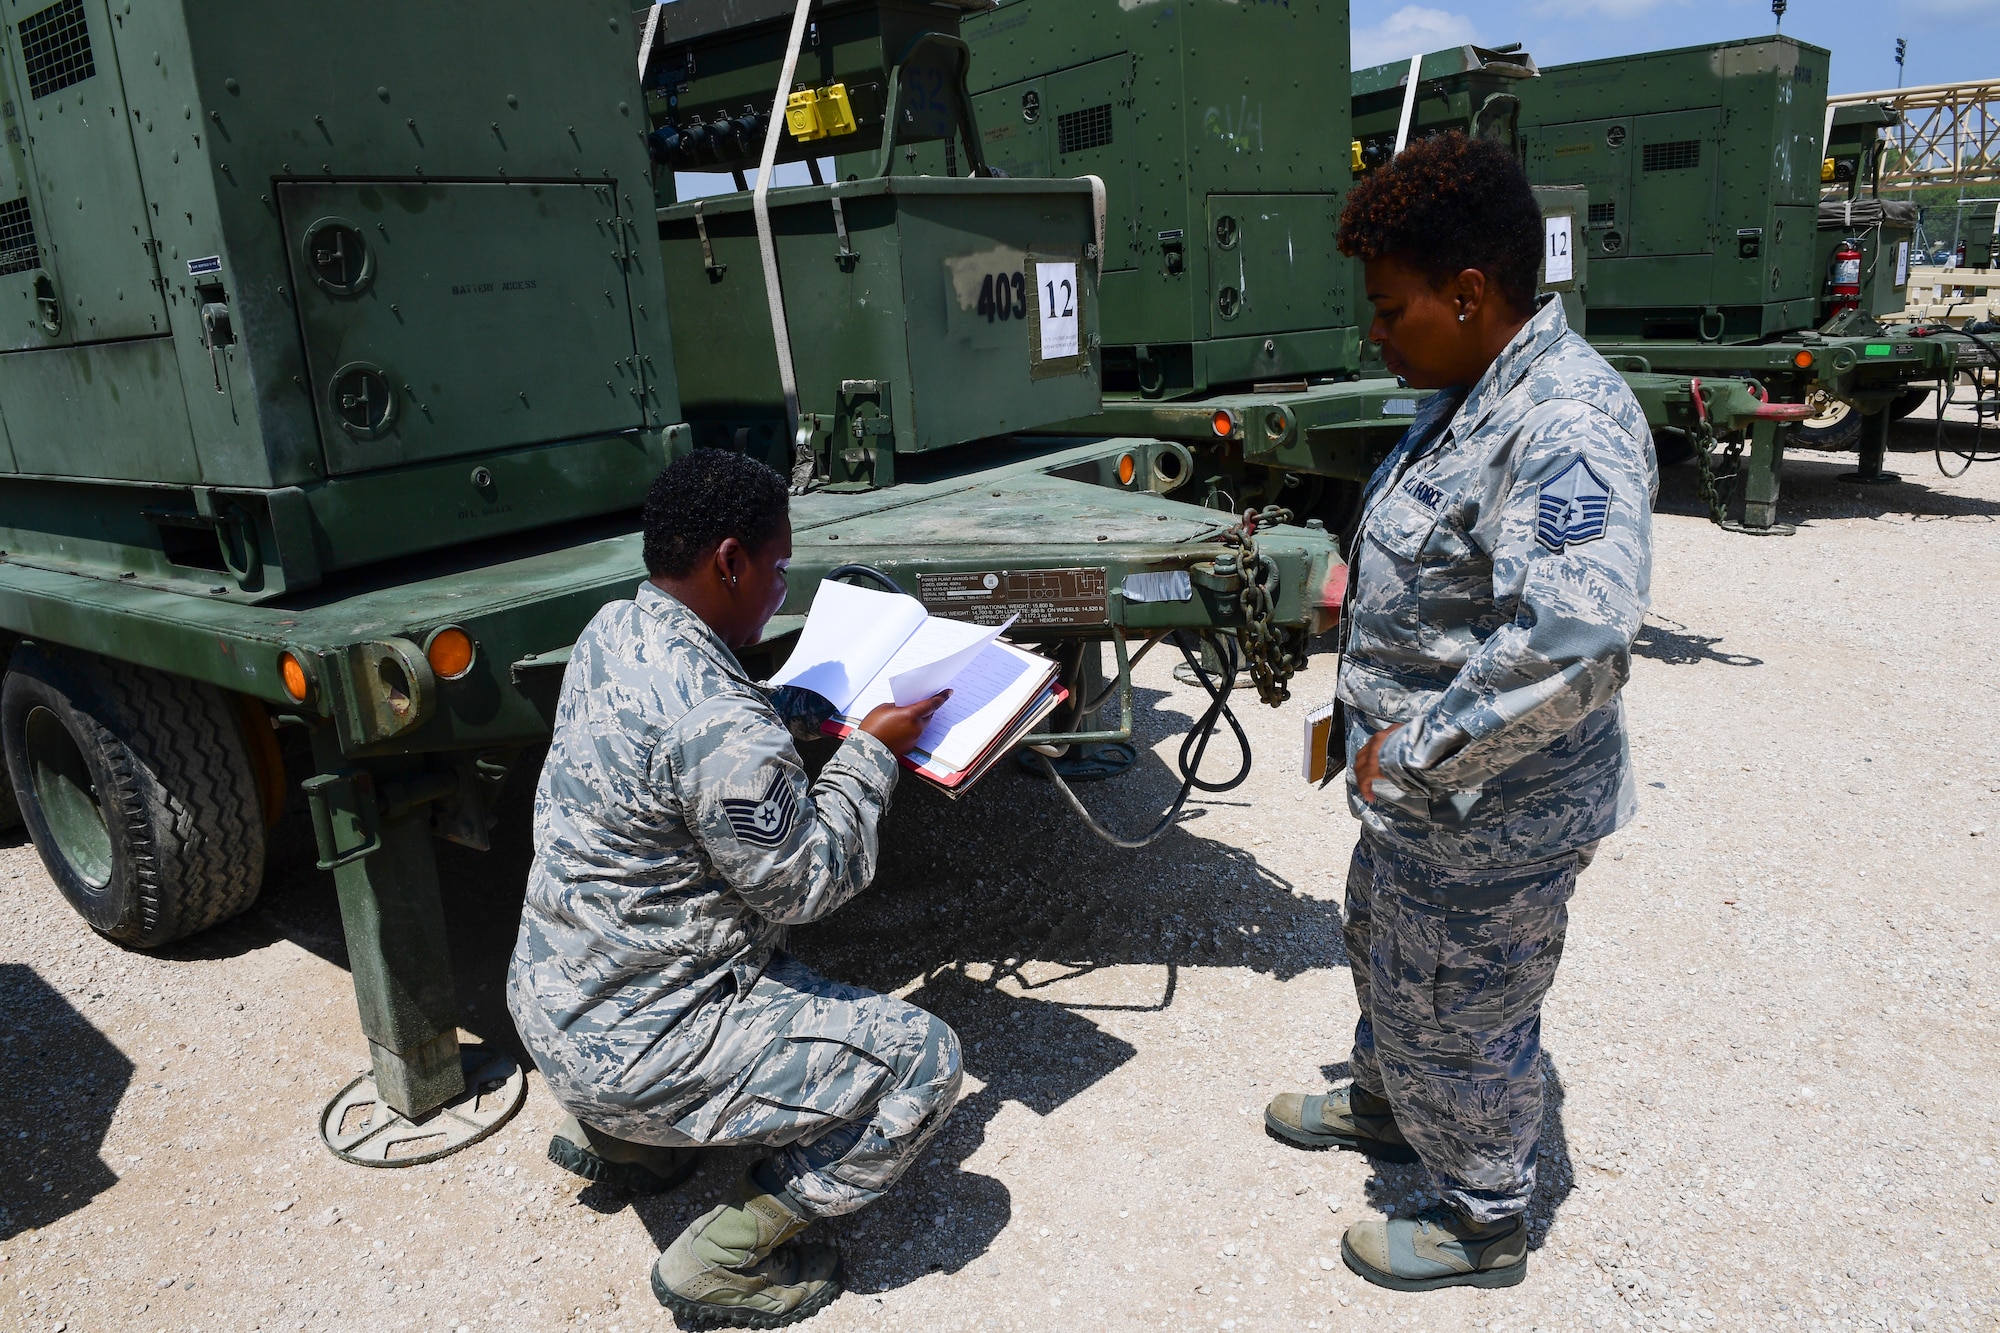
1223,178
1703,170
255,251
713,65
914,314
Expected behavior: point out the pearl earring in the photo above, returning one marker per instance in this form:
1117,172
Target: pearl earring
1461,317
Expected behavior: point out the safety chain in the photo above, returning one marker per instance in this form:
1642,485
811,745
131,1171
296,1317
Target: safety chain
1273,653
1703,439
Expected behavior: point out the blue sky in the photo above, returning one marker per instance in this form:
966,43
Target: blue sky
1950,40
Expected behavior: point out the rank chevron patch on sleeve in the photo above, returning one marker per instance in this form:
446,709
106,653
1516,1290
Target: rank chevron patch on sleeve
767,821
1574,505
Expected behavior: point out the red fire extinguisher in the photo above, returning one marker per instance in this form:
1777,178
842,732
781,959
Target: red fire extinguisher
1847,277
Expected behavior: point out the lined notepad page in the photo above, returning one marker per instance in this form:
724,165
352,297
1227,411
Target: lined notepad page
1000,683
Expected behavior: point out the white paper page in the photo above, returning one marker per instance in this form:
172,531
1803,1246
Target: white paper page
850,635
934,655
1560,262
984,698
1057,285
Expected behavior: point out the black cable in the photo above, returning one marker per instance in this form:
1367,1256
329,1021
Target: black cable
1197,739
867,572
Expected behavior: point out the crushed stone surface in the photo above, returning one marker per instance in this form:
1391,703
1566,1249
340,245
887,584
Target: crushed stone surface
1773,1065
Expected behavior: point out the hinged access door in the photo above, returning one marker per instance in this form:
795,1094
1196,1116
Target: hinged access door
92,276
451,318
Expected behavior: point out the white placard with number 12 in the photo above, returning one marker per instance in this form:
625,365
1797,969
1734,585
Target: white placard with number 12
1055,284
1561,263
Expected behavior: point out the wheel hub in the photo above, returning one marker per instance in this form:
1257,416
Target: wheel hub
68,797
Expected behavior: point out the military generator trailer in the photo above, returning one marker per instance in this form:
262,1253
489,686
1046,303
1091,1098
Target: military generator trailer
1705,168
327,404
1306,427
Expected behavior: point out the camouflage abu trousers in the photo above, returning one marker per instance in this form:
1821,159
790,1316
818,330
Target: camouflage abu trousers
847,1084
1450,967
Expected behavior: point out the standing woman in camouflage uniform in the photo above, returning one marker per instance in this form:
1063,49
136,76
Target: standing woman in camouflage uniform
677,836
1501,572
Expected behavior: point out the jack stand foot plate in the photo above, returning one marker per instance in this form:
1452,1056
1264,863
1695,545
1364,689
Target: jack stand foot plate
1870,478
1084,763
1775,530
358,1126
1185,675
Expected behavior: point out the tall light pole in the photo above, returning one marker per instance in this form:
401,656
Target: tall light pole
1778,8
1902,49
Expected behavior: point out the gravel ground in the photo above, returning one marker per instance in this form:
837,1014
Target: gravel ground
1771,1063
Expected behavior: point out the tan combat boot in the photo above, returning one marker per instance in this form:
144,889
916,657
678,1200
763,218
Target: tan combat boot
637,1168
1437,1248
1349,1117
732,1266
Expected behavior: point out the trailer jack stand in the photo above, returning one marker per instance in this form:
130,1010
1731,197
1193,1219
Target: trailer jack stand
359,1126
1874,449
423,1096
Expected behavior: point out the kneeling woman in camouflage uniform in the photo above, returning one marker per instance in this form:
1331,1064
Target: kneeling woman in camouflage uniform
677,836
1500,575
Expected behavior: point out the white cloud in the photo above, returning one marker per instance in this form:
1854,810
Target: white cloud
1408,31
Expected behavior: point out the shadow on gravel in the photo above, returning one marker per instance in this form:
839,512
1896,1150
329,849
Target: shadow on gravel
64,1081
1397,1188
1675,646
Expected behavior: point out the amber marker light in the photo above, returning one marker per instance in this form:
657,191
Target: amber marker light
1803,360
1127,468
293,673
1224,423
450,652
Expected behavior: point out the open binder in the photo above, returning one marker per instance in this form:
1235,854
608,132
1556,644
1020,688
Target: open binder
861,648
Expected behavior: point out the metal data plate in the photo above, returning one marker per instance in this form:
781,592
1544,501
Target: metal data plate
1042,598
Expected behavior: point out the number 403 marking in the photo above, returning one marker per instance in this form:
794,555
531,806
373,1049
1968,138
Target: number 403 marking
1004,296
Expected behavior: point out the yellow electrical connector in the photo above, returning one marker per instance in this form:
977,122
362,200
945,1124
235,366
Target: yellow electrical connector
819,113
1355,157
1826,171
802,116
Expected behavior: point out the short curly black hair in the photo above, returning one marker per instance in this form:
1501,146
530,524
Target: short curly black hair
1446,204
700,500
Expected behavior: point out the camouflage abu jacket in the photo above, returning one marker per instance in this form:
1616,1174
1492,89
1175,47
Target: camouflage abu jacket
1502,571
676,837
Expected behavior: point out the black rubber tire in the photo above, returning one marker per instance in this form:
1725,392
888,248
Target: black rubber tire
1906,403
169,772
1844,433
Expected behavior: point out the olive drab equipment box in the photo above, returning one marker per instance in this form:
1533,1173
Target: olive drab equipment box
1217,144
277,301
1703,166
921,311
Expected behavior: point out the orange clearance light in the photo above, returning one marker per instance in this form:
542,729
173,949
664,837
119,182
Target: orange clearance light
293,673
1126,470
1224,423
1803,360
450,652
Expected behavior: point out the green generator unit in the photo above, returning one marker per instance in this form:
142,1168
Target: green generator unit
266,319
1977,225
1465,88
871,76
1703,166
1219,267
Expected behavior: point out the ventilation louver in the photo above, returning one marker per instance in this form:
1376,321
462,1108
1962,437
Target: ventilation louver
1078,130
1676,156
1603,215
18,249
55,47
